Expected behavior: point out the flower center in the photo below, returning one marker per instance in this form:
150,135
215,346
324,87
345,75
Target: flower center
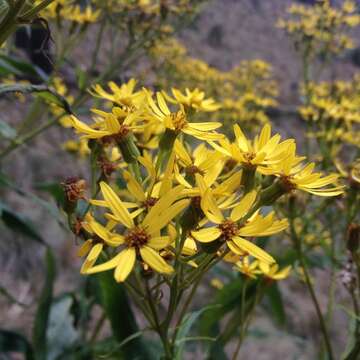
192,170
249,156
150,202
229,229
287,183
137,237
178,119
124,130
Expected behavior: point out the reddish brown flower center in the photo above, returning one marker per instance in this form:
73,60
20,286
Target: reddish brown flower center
229,229
150,202
192,170
287,183
137,237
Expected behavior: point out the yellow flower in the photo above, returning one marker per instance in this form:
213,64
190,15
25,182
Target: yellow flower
247,267
296,176
123,95
232,230
177,121
81,147
273,272
263,151
204,161
101,236
140,239
108,126
192,99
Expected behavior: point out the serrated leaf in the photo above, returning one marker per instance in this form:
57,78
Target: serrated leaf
7,131
11,341
43,311
19,223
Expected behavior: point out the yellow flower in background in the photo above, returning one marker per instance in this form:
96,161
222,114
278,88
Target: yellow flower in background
140,239
192,99
124,95
80,147
178,122
232,231
202,161
273,271
248,267
297,176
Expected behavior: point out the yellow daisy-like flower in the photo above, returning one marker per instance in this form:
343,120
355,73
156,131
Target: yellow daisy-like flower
273,271
247,267
101,236
297,176
123,95
263,151
177,121
108,126
204,161
192,99
233,231
140,240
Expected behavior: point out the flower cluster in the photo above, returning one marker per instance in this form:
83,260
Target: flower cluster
171,199
244,93
321,29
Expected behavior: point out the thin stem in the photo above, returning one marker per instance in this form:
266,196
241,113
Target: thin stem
242,326
301,257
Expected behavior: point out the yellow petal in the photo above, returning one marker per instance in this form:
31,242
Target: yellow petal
125,264
85,248
244,206
108,265
116,205
253,250
155,261
207,234
95,252
159,242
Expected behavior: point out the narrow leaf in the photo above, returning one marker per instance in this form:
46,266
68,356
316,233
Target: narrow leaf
43,310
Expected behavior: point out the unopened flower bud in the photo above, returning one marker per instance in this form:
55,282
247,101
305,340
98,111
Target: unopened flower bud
74,189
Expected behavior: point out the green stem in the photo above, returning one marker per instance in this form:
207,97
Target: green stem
302,260
242,317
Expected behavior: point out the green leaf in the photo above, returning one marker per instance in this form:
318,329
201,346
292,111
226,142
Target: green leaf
13,66
43,310
54,189
19,223
276,309
6,131
185,327
118,310
43,91
13,342
61,333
